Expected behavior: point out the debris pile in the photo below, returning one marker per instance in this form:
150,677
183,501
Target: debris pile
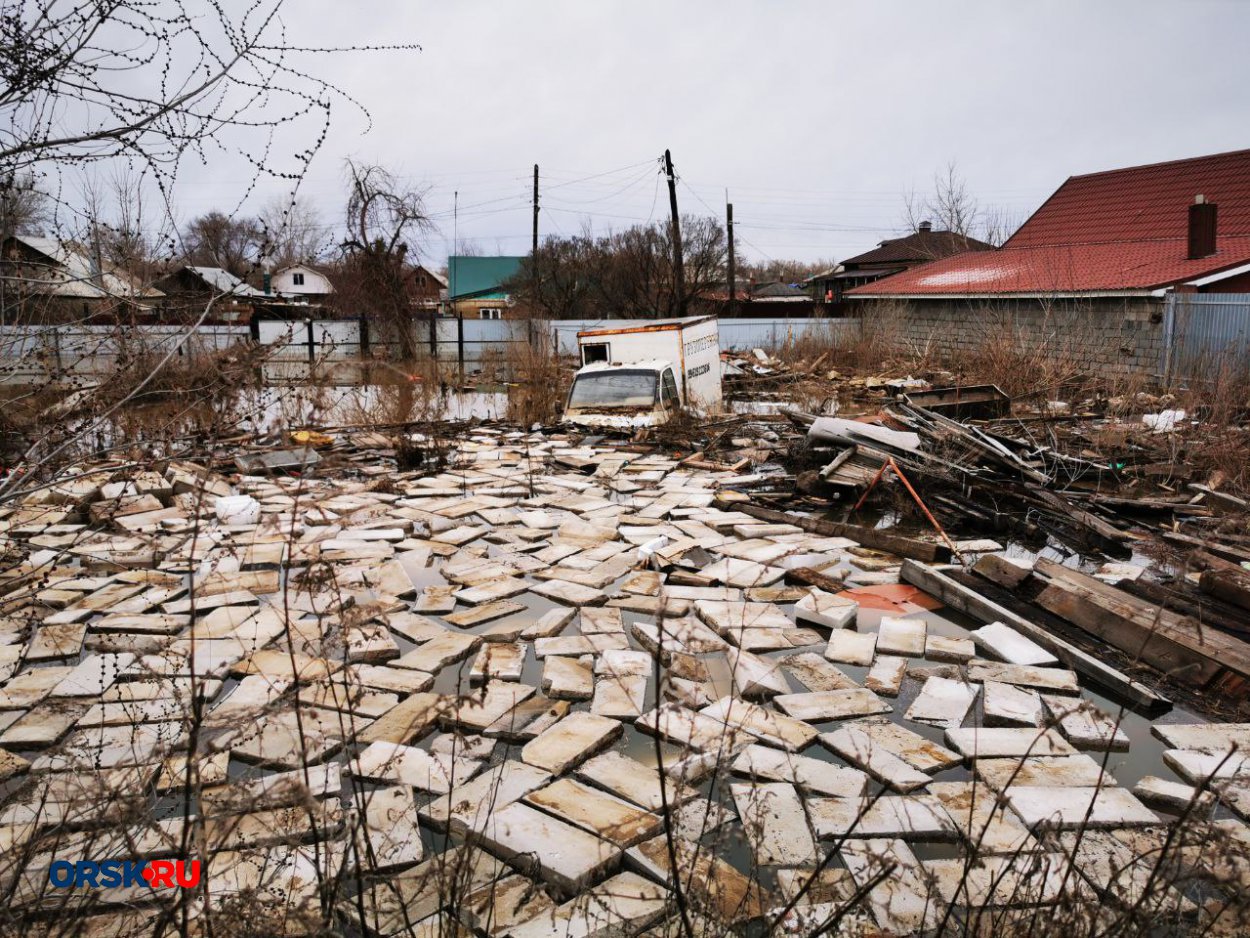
555,687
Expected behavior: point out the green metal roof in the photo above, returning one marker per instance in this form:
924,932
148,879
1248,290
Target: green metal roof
477,276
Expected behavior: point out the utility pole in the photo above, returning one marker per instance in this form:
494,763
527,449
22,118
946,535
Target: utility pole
733,282
455,240
534,263
534,246
678,268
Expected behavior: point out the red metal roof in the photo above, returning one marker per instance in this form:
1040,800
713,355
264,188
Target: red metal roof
1124,229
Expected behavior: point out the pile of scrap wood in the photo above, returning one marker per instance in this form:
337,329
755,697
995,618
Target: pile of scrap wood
1002,473
969,472
1174,637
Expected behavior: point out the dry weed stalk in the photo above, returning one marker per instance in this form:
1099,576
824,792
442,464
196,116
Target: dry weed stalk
538,380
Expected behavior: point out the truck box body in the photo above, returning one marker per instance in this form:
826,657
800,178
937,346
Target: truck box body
642,374
691,345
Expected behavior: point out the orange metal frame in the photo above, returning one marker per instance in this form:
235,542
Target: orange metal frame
892,465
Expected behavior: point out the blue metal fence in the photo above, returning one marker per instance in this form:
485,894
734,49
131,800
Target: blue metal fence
735,334
1205,334
29,353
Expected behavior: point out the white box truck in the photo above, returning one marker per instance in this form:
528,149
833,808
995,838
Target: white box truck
640,374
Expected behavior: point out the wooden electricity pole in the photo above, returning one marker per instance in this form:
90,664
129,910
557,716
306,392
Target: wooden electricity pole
534,263
733,282
679,271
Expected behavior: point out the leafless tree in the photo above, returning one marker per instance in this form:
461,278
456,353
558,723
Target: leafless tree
24,207
119,225
91,81
148,85
785,270
626,274
385,220
218,240
951,206
292,231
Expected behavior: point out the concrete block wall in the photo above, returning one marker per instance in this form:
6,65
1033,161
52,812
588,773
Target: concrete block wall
1114,336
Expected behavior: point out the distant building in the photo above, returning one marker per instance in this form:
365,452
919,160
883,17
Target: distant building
777,292
190,288
891,257
50,280
427,289
477,286
302,282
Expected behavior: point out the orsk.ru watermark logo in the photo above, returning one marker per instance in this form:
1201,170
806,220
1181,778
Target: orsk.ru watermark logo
157,874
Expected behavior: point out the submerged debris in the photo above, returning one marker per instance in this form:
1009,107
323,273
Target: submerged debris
569,687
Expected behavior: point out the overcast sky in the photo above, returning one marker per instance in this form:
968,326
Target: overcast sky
816,116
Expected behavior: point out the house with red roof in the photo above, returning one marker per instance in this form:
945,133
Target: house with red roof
889,257
1096,272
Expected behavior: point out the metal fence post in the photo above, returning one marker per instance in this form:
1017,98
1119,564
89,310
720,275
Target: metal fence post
460,345
1169,336
311,351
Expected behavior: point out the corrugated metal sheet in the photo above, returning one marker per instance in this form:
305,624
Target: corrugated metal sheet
767,333
1205,333
740,334
34,353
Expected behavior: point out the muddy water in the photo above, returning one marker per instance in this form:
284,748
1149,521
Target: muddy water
1143,758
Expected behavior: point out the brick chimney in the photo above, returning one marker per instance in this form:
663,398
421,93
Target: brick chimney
1202,228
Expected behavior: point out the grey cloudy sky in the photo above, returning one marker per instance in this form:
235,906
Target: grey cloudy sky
816,116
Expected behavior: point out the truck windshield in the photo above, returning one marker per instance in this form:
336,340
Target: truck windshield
614,389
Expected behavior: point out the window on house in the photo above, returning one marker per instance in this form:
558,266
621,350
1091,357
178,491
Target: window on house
595,353
490,312
297,279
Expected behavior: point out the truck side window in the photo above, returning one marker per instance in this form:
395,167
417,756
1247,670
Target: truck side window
668,391
594,353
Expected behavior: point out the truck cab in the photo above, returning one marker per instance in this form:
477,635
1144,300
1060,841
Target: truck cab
638,394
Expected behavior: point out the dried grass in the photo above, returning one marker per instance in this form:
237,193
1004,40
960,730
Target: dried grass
538,381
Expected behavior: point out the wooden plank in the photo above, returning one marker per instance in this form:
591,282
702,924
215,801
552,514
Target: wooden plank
868,537
1204,609
806,576
1151,620
971,603
1002,571
1156,649
1230,585
1104,530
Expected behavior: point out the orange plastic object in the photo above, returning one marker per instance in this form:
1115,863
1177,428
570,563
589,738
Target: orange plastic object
893,597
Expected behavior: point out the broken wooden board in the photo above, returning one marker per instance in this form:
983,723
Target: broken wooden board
971,603
869,537
1009,645
860,749
606,816
942,702
1074,807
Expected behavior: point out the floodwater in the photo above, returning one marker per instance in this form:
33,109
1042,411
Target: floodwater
276,407
1143,758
